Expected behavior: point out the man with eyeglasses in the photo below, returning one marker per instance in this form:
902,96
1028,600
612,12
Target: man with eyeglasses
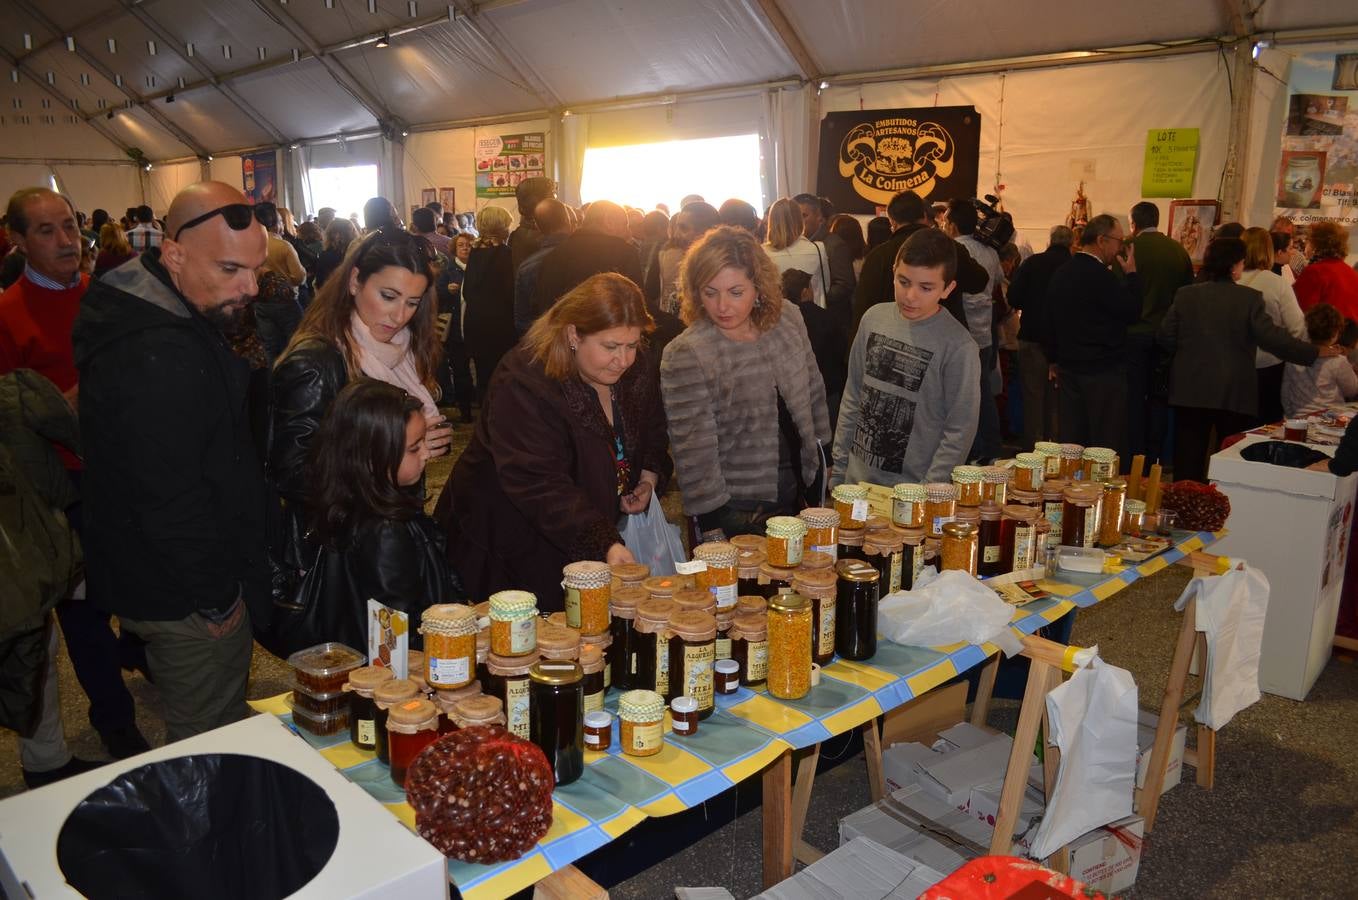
174,499
1089,310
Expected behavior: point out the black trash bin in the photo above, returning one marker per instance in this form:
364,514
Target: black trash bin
1282,453
207,826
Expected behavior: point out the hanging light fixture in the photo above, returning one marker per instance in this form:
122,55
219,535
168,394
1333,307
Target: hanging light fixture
384,41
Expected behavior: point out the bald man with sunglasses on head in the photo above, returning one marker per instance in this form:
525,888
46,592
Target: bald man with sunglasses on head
174,495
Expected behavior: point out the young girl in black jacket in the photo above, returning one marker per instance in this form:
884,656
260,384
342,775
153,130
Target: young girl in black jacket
365,510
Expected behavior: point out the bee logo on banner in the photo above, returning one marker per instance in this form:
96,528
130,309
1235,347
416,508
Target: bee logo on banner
868,156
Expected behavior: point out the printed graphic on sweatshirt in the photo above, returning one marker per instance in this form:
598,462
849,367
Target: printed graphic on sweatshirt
886,418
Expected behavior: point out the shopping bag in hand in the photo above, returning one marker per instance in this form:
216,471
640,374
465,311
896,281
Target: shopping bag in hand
652,539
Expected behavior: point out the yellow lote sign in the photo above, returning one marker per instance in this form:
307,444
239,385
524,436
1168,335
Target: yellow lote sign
1171,159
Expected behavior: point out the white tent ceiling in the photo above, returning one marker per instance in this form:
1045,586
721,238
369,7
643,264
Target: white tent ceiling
267,72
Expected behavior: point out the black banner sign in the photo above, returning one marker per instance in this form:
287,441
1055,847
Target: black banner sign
869,155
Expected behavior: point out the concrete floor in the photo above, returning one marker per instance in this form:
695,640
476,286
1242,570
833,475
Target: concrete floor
1280,822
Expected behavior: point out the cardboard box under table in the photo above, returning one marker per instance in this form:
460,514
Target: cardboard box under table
374,855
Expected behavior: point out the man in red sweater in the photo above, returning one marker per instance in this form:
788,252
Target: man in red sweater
37,314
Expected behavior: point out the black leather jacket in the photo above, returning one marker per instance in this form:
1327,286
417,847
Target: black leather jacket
305,383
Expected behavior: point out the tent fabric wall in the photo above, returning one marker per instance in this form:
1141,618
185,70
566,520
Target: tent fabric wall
1043,131
163,182
438,159
227,169
113,187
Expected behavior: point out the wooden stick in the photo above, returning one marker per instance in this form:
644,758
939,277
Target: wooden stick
1134,477
985,689
1153,490
778,819
1016,773
1169,716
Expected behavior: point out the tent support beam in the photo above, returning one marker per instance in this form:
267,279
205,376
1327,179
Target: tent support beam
61,98
337,69
1240,16
94,63
173,44
791,40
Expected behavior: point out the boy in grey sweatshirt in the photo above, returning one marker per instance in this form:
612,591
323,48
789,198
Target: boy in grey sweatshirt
913,396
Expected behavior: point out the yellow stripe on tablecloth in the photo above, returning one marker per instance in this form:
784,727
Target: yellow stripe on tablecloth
860,712
623,821
769,714
1151,566
1059,588
564,821
861,674
667,805
403,811
672,765
346,755
1192,544
274,706
1106,589
512,880
755,762
932,677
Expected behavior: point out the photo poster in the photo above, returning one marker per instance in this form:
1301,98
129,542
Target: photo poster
1191,223
428,196
1318,172
388,638
259,175
1171,160
448,197
502,162
868,156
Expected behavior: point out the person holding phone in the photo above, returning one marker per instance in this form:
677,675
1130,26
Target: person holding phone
1090,309
373,318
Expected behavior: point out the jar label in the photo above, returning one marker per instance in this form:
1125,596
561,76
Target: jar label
903,512
1051,465
1091,532
367,732
1023,547
698,672
832,549
457,671
859,512
723,648
523,635
516,705
692,567
794,552
573,607
918,565
757,661
594,702
608,674
990,553
679,725
662,665
894,580
1101,471
825,636
648,737
726,595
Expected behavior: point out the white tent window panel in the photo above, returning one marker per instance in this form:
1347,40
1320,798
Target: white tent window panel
643,175
343,188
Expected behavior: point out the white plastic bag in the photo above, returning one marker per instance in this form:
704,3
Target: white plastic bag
947,608
1093,722
1231,611
652,539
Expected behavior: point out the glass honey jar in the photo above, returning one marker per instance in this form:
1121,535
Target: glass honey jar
653,649
818,586
750,647
693,653
588,588
641,723
1111,513
1029,471
940,506
967,480
960,547
907,505
721,573
995,483
784,541
1071,461
449,631
1050,452
851,502
790,635
513,623
822,529
1079,515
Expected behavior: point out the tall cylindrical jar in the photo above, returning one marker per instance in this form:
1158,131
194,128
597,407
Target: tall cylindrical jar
774,580
818,586
1018,537
622,652
556,720
385,696
959,549
857,593
1053,504
747,572
750,647
988,540
588,588
883,551
912,556
513,623
1079,518
362,710
507,678
789,623
653,649
1110,516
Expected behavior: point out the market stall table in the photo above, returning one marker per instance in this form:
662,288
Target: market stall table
751,732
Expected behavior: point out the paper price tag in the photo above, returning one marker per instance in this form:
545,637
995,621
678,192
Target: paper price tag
860,510
693,567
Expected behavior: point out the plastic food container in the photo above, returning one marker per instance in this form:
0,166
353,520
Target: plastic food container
319,724
1080,559
324,668
319,704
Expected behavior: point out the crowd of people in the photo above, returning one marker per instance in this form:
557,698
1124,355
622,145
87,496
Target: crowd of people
257,400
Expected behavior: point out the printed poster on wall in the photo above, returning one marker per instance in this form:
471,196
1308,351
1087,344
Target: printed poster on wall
867,156
1318,172
502,162
1171,160
259,175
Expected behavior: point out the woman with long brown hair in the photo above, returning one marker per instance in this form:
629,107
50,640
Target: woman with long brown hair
373,318
571,437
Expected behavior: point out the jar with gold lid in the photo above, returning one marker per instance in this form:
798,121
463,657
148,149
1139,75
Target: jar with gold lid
822,529
588,586
851,502
790,635
720,575
959,547
907,505
449,631
784,541
556,716
940,506
967,480
818,586
857,593
513,623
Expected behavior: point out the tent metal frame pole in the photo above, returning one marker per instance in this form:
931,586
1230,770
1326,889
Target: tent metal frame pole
48,161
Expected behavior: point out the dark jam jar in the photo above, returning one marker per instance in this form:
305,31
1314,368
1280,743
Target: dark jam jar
557,716
750,647
1019,539
773,581
693,653
851,543
507,679
912,556
593,666
883,551
362,710
818,585
856,609
747,571
653,658
622,653
989,561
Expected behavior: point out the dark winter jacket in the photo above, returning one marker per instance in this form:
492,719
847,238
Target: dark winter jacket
173,492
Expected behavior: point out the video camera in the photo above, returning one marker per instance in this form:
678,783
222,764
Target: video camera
993,228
